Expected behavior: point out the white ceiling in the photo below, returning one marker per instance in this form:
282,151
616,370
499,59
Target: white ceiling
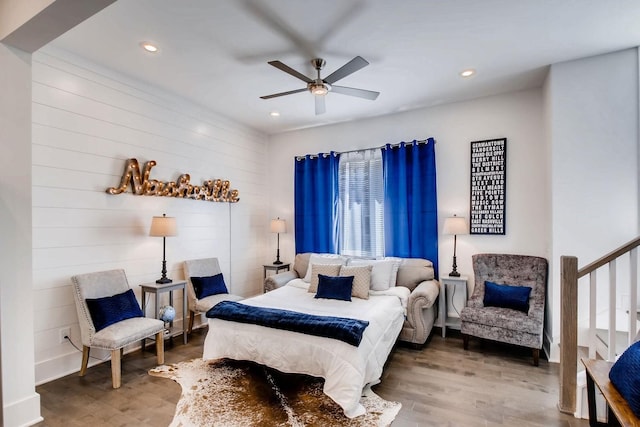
215,52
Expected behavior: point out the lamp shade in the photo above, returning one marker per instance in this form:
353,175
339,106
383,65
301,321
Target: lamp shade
278,226
163,226
455,225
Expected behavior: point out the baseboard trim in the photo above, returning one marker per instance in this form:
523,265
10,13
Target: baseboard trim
551,347
24,412
546,345
69,363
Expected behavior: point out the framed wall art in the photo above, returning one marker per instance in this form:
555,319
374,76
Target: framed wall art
488,186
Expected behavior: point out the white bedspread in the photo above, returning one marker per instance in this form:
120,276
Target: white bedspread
345,368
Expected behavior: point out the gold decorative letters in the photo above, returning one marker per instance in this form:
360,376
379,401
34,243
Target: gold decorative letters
212,190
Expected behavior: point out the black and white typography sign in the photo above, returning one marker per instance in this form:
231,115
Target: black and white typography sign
488,186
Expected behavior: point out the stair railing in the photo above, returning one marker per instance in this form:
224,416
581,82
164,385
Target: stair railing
569,275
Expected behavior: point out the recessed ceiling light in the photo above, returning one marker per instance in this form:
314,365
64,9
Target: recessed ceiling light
274,114
149,47
468,73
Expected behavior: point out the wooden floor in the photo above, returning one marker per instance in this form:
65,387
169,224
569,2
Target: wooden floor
439,385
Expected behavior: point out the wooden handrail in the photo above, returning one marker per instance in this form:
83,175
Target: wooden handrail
608,257
569,275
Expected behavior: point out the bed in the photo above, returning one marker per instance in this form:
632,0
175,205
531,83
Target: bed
346,369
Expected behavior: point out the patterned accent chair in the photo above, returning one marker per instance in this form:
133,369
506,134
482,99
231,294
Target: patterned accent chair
118,335
202,268
505,324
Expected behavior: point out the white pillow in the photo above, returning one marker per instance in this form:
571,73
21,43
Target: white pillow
398,263
323,259
383,273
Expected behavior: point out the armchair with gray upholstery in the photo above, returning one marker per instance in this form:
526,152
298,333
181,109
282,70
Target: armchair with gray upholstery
502,324
108,286
202,268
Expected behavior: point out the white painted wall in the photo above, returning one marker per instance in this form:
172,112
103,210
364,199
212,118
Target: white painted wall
516,116
593,122
86,122
21,404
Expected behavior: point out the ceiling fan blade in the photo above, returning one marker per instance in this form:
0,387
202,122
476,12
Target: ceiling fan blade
350,67
277,24
320,105
341,19
352,91
280,66
275,95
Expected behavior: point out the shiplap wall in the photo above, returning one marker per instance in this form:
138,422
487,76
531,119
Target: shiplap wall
87,121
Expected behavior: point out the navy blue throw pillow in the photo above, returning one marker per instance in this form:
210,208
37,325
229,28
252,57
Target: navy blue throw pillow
625,376
209,285
506,296
332,287
106,311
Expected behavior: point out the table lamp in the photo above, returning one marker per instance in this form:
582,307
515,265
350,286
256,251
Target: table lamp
455,225
163,226
278,226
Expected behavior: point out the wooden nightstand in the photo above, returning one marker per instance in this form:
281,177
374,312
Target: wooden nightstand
157,289
275,267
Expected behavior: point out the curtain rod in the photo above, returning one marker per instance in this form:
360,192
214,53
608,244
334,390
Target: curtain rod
382,147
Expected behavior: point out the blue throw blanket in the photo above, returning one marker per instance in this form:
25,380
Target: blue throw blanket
343,329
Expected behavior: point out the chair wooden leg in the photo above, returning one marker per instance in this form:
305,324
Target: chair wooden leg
536,356
85,360
465,341
160,347
191,318
115,368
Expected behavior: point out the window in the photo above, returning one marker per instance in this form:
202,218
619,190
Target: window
346,204
361,203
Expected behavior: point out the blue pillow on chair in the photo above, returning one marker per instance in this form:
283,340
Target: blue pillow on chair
209,285
332,287
625,376
106,311
506,296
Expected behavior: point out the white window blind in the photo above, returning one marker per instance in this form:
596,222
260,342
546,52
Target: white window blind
361,205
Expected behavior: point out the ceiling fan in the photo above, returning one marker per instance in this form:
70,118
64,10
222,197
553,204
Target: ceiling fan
320,87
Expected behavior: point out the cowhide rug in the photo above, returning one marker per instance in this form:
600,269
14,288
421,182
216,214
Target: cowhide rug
230,393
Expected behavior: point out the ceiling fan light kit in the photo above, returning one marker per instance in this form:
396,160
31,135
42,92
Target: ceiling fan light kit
321,87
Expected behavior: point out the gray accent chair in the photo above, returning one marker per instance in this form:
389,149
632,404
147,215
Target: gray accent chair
203,267
505,324
114,337
414,273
